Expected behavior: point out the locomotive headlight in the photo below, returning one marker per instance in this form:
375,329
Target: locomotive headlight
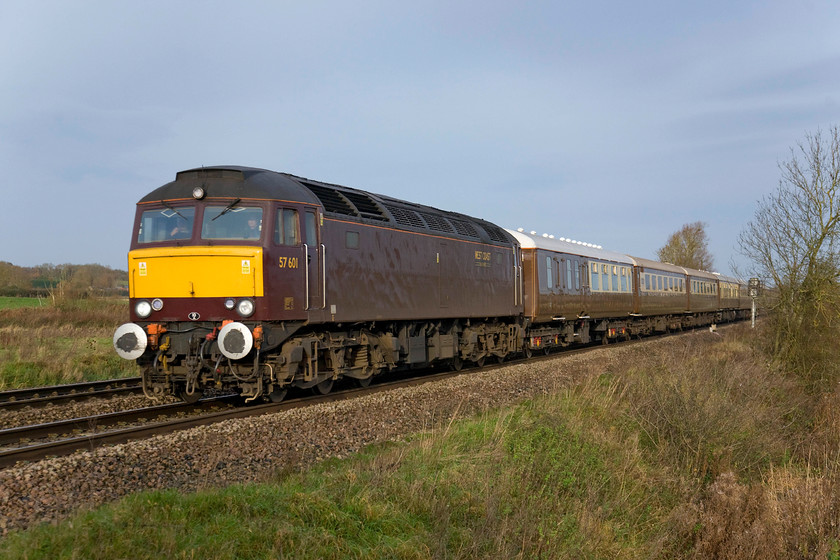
245,308
157,304
143,309
230,303
198,193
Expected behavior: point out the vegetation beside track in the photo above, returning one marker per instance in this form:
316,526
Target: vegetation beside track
43,342
700,450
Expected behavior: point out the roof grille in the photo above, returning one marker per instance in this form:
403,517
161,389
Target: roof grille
437,223
464,228
406,217
210,174
367,207
332,200
496,234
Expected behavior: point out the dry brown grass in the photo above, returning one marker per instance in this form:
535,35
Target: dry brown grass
67,343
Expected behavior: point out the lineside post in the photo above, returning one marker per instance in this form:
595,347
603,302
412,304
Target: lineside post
754,286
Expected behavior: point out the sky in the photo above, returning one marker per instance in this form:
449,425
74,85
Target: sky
609,122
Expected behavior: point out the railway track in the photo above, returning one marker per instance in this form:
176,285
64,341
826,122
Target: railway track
26,450
60,394
20,444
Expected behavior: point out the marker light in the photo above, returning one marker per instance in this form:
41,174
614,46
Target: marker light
198,193
230,303
157,304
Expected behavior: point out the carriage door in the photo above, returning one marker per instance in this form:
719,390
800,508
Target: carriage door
314,255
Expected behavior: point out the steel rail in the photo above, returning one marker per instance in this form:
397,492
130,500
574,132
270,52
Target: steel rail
57,394
17,435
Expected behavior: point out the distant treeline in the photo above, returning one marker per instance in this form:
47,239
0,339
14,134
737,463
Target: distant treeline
62,281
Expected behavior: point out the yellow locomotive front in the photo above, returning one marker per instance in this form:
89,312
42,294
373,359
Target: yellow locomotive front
198,275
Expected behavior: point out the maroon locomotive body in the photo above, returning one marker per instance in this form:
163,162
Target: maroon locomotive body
254,280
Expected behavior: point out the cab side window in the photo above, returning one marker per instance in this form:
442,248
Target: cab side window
286,227
311,229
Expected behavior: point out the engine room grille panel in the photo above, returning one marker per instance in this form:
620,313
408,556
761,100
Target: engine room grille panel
332,200
406,217
367,207
437,223
464,228
495,233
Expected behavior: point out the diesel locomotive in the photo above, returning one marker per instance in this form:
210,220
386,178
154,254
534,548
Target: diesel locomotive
254,281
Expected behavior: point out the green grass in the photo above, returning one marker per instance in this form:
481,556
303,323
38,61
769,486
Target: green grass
19,302
696,450
527,482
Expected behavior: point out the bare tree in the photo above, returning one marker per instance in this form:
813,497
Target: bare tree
793,243
688,247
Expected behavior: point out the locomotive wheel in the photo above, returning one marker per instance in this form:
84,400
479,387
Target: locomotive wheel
277,395
189,399
324,387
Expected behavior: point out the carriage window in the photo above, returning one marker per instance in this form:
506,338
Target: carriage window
231,222
568,274
548,270
286,227
166,224
577,276
596,278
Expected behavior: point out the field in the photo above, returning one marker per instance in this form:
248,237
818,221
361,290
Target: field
7,303
700,450
46,344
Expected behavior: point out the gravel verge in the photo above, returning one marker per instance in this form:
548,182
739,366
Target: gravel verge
253,449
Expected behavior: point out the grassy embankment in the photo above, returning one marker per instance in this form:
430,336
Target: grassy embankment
42,343
699,450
